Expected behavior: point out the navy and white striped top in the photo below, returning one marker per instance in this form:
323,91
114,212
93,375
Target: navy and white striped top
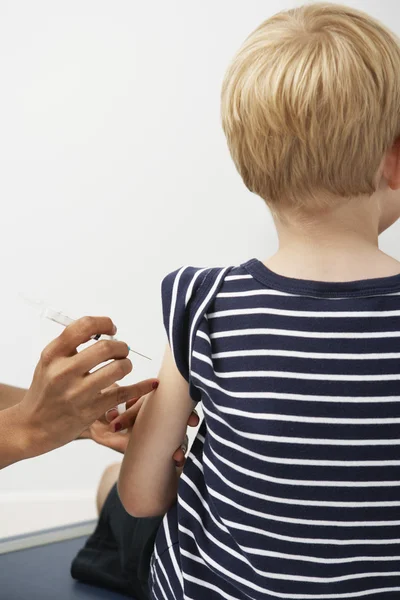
292,486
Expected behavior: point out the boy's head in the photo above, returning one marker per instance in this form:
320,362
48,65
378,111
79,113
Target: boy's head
311,106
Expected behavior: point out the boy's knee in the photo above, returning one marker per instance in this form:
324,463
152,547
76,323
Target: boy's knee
108,479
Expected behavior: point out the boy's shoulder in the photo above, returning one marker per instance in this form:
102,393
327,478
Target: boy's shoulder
189,279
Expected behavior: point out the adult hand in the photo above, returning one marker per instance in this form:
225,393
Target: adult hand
127,420
100,431
65,397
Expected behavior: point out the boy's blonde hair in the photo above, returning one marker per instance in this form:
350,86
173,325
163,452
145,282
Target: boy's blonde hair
311,103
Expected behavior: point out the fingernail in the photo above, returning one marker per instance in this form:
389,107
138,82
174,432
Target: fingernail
155,385
114,329
117,427
109,416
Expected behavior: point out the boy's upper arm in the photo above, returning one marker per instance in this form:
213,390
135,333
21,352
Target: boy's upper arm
179,292
166,411
173,387
148,473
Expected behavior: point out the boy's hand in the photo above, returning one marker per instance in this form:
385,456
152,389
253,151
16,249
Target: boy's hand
127,421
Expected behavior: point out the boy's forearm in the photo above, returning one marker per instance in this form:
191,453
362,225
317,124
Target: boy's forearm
149,479
139,486
141,505
10,395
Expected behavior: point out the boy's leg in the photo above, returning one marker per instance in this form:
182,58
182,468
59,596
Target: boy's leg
117,555
109,477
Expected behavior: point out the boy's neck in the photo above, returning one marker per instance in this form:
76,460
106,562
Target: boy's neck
334,245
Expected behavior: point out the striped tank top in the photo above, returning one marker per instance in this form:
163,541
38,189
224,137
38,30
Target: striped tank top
291,489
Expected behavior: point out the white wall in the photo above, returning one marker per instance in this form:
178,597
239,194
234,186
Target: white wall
113,172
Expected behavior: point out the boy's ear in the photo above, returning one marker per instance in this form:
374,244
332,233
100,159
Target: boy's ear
391,168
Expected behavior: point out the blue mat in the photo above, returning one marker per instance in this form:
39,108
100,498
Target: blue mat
42,571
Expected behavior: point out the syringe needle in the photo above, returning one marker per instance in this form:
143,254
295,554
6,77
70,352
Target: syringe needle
62,319
139,354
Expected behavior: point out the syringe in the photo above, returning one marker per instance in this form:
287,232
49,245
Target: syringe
61,319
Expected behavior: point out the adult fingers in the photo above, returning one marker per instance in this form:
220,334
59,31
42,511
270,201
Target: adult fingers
110,415
179,455
79,332
99,380
121,395
113,412
126,420
128,394
131,402
145,387
194,419
116,442
100,352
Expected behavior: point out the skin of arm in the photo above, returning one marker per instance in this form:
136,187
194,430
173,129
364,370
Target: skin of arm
10,395
15,439
149,479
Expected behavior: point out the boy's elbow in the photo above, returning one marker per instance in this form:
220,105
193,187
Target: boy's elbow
141,510
137,506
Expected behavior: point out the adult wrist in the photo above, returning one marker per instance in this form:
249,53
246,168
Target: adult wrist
29,439
10,395
15,439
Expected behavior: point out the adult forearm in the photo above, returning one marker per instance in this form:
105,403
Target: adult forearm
10,395
15,439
